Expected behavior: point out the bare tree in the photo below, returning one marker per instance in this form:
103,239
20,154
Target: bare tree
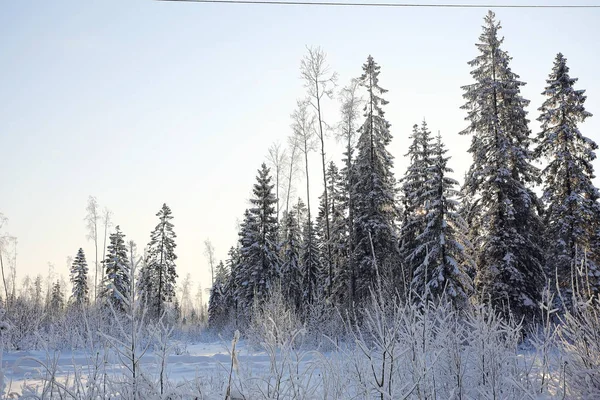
107,221
92,218
277,158
291,169
303,125
350,110
186,296
13,268
319,82
200,304
134,262
209,253
3,241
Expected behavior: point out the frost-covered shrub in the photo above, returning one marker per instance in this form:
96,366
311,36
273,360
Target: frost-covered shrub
273,320
579,345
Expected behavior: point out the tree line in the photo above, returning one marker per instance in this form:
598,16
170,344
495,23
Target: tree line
423,236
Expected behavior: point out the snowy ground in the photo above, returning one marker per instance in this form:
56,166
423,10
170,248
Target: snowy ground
202,359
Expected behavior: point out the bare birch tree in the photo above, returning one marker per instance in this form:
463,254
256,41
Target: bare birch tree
277,158
303,125
92,218
209,253
107,221
3,241
351,103
319,82
291,169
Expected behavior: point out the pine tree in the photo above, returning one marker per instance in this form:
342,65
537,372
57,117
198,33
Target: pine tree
79,280
442,245
505,229
414,190
376,239
116,284
572,211
160,276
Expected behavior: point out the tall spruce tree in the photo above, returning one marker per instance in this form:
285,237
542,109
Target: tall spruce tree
218,302
414,190
160,276
442,246
505,228
116,284
376,239
259,260
572,211
79,280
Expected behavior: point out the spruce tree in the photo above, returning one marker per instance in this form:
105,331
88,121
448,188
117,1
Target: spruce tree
442,246
572,211
79,280
376,239
232,266
259,260
291,273
335,245
218,301
505,228
116,284
160,276
57,301
414,189
312,266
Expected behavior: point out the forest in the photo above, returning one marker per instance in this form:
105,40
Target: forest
419,286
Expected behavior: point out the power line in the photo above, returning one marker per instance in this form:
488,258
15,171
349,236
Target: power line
405,5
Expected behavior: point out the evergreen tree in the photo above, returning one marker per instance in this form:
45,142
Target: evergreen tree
335,247
259,261
291,273
232,265
505,229
312,267
376,241
160,277
442,246
116,284
218,301
144,282
414,189
79,280
572,211
57,301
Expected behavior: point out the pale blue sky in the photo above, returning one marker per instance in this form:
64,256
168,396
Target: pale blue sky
142,102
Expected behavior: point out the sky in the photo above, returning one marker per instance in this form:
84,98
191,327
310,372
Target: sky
141,103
